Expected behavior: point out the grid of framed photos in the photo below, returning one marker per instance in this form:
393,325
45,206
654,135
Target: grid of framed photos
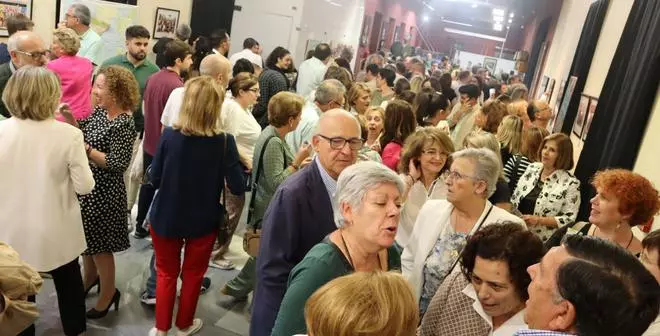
585,115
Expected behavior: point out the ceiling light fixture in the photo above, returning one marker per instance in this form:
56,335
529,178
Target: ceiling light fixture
457,23
498,12
510,20
426,18
497,26
511,15
428,6
475,5
467,33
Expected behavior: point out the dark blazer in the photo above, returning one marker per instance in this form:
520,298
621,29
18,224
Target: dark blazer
190,173
299,216
5,73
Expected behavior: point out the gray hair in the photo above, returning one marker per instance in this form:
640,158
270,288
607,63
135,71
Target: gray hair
83,14
356,180
15,41
183,32
328,91
487,166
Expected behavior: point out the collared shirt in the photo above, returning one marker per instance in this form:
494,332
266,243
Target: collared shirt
417,196
248,55
141,72
159,87
12,67
534,332
305,130
328,181
240,123
90,46
513,324
310,76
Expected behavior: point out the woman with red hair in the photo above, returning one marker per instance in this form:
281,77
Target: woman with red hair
623,199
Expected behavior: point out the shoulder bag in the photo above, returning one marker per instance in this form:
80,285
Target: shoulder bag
223,230
252,235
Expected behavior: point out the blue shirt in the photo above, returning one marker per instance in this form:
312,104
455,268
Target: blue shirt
534,332
190,173
329,183
306,127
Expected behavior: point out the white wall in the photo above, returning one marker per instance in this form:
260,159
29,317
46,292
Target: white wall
615,21
503,65
271,23
338,21
648,159
43,14
564,43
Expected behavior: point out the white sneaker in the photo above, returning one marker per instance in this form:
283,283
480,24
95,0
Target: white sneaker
154,332
193,329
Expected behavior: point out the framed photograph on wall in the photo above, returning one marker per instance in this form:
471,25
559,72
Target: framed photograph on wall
166,22
12,7
590,116
542,86
490,64
566,100
555,109
581,117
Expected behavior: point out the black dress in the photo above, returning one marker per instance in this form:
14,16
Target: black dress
104,209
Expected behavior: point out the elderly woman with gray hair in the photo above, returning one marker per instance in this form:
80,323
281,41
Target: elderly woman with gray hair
443,226
74,72
367,216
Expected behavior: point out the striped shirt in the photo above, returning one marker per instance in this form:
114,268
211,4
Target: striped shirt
513,173
329,182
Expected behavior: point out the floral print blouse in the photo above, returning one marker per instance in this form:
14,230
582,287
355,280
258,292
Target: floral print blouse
559,198
438,264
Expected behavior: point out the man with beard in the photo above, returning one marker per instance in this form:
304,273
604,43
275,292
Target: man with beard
135,60
177,61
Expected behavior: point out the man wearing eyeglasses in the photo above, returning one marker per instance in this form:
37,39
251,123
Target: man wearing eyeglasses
300,213
329,95
25,48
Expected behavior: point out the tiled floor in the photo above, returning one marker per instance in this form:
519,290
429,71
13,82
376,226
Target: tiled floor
221,315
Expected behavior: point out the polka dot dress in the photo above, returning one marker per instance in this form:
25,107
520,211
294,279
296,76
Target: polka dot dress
104,209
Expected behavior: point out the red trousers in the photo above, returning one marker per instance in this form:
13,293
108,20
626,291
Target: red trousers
168,266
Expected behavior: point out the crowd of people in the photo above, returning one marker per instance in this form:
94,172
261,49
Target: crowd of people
410,197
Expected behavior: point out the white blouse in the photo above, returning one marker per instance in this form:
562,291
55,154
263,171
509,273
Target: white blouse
513,324
417,196
242,125
44,166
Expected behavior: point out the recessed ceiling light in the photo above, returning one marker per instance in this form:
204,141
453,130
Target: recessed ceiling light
497,26
498,12
511,15
474,5
425,18
510,20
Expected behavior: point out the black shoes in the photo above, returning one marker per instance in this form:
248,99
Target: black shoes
93,314
140,233
96,284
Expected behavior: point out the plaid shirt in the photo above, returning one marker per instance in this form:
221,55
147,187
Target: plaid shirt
271,82
534,332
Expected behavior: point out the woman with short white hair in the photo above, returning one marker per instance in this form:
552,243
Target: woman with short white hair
367,216
442,227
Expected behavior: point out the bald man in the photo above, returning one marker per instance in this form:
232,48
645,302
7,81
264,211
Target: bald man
25,48
214,65
219,68
300,214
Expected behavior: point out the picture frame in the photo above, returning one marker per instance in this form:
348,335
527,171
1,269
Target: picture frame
490,64
12,7
566,100
581,117
550,88
543,85
166,22
593,103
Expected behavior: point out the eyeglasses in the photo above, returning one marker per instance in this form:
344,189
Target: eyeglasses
339,142
454,175
435,153
255,90
36,55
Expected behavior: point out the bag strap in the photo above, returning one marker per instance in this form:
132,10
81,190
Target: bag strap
256,179
224,189
475,230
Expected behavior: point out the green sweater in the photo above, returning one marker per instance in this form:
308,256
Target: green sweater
323,263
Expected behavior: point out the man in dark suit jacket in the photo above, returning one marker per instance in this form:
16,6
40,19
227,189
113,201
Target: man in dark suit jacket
300,214
25,48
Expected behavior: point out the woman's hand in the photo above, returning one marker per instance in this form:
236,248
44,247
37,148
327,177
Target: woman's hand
303,153
65,111
305,162
414,171
531,220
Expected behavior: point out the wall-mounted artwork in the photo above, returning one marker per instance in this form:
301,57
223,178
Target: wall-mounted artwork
590,116
555,110
490,64
581,118
566,100
166,22
12,7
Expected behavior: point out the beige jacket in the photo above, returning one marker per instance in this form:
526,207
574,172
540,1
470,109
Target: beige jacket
17,281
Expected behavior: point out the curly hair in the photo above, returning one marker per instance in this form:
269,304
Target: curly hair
636,195
509,242
122,86
427,136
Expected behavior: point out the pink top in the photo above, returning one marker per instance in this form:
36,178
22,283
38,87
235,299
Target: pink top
75,75
392,155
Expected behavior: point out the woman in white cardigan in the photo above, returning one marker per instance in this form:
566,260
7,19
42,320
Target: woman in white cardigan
44,166
442,226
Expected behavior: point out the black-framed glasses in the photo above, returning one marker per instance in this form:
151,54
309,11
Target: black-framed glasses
255,90
339,142
35,55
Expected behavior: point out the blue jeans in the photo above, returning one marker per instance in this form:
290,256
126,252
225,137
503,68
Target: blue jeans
151,282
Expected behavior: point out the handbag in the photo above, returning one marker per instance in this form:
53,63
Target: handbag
252,236
223,229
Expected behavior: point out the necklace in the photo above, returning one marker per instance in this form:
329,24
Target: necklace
629,240
348,253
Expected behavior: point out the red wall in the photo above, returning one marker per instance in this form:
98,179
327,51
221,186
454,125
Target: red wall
401,11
